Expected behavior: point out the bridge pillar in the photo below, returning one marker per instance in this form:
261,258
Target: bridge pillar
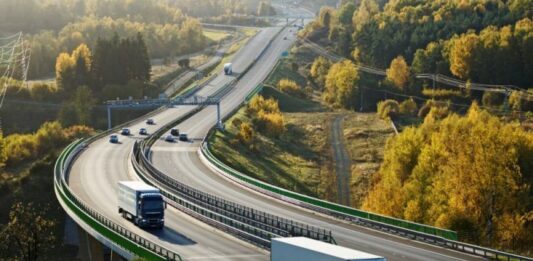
115,257
90,249
220,126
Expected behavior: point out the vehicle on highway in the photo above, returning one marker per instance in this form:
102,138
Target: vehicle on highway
143,131
141,203
113,138
125,131
174,132
228,69
183,137
150,121
303,248
169,138
285,38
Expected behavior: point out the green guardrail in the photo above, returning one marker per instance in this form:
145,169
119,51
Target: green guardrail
255,91
113,232
448,234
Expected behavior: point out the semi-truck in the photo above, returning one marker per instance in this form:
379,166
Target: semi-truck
303,248
141,203
228,69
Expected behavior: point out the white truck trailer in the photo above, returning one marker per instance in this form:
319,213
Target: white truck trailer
228,69
141,203
303,248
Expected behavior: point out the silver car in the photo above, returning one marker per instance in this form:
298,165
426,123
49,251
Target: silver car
169,138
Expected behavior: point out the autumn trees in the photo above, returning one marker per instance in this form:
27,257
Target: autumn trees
117,68
61,26
471,174
341,85
398,73
266,116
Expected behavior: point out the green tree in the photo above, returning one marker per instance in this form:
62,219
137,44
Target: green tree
28,233
398,73
83,103
345,14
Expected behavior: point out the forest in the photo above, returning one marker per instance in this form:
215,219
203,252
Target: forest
59,26
463,157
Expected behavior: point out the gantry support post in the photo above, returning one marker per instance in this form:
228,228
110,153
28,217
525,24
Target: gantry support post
109,118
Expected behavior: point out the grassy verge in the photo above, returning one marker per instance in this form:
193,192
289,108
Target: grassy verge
300,160
216,35
365,135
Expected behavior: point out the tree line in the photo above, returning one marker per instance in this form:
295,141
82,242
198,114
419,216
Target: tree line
162,40
374,34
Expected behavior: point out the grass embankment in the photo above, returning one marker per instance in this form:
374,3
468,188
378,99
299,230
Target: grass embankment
216,35
365,135
299,160
302,158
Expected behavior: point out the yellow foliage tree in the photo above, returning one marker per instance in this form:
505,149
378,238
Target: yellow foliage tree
398,72
472,174
341,84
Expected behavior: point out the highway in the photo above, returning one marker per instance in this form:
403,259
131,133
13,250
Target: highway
95,173
181,161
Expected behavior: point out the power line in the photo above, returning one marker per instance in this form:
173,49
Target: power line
505,89
499,111
15,56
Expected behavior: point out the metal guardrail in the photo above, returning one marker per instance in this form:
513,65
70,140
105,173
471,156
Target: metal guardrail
121,236
131,242
257,219
356,216
242,230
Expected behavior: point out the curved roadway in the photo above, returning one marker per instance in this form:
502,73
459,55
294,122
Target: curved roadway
181,161
95,173
97,170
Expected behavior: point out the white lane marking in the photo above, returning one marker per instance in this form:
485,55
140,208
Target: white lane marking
223,257
174,149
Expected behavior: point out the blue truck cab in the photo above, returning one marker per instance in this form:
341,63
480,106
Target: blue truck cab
141,203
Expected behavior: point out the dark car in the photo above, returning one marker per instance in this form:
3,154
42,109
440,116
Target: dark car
143,131
150,121
183,137
174,132
125,132
113,138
